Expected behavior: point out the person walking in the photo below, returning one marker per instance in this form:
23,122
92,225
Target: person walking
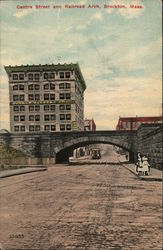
145,165
139,162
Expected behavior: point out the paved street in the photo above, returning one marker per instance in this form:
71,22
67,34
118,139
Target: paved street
80,207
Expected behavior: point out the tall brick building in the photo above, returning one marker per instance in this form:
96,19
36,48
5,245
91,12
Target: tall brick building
46,97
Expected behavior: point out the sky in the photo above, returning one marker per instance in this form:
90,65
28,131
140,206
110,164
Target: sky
118,51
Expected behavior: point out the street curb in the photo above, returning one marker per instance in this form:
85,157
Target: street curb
24,172
141,177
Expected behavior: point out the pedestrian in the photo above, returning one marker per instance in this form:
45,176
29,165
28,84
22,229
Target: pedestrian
145,165
138,162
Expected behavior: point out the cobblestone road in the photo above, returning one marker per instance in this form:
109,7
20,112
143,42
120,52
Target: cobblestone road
80,207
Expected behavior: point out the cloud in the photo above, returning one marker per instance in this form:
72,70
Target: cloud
97,16
120,63
132,97
4,108
127,12
24,12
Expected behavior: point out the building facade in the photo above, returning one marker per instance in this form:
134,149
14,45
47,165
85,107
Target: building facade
132,123
46,98
89,125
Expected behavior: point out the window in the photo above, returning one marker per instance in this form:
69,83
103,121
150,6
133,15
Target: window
68,85
61,75
51,75
46,86
68,116
31,118
52,96
21,97
15,76
52,107
37,97
62,107
67,74
22,128
62,117
61,96
22,118
15,87
37,128
62,127
22,108
37,108
129,125
30,87
31,128
46,107
15,98
16,108
37,118
68,107
46,96
31,108
16,118
53,127
52,117
52,86
68,126
46,127
16,128
21,87
46,117
30,76
30,97
21,77
36,76
45,75
68,96
61,85
37,87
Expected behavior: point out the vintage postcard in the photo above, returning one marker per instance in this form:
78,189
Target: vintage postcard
80,125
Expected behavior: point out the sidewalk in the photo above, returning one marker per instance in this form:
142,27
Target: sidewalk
155,174
13,172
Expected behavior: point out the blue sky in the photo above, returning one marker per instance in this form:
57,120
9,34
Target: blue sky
118,50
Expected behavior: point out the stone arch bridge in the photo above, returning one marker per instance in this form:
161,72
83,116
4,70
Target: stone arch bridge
56,147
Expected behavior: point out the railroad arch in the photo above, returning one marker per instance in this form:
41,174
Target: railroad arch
64,151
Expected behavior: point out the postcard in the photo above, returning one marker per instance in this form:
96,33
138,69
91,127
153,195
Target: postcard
80,124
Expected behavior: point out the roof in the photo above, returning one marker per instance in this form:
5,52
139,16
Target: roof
141,118
47,67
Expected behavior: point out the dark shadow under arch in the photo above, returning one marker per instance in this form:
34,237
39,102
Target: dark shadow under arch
63,155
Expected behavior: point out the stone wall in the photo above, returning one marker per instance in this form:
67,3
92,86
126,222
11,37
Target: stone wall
150,144
46,146
42,148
